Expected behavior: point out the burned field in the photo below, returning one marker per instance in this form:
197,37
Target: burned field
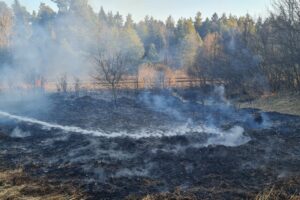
153,145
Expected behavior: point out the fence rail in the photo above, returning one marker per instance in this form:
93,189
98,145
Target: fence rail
126,83
149,83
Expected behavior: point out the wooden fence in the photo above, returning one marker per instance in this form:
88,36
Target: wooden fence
145,83
126,83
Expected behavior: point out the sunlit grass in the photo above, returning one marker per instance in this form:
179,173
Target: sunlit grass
16,185
288,103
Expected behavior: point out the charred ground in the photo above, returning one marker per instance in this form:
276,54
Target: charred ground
191,164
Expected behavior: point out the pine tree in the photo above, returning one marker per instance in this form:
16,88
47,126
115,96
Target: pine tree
102,16
129,21
45,14
118,20
152,54
198,22
63,5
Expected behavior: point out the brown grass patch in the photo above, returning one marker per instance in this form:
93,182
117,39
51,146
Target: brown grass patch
16,185
288,103
285,189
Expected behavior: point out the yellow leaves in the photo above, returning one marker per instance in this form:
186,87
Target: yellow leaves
211,44
6,23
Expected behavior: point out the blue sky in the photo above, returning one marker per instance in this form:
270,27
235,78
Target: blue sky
177,8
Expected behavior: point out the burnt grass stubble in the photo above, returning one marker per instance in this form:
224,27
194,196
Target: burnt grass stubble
118,168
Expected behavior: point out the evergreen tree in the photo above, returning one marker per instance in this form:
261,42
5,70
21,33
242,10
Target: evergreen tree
129,22
63,5
152,54
102,16
45,14
118,20
198,22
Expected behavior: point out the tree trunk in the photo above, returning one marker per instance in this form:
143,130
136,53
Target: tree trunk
113,86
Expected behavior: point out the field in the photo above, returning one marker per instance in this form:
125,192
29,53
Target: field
172,147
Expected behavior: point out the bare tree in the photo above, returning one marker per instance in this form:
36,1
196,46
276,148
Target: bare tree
207,58
285,21
77,86
111,67
62,84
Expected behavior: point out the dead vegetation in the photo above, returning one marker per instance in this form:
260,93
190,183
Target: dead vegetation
287,103
284,190
16,185
176,195
288,189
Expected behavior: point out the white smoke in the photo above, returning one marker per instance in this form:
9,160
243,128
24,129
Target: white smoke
18,133
232,137
221,94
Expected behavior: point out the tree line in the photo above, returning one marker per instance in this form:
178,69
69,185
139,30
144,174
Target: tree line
247,54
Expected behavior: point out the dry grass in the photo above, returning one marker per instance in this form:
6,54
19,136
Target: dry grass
274,194
16,185
284,189
169,197
178,194
287,189
288,103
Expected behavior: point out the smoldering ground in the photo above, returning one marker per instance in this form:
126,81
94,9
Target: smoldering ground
182,154
81,115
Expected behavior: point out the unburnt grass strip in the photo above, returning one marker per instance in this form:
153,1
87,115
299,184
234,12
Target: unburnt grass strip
17,185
